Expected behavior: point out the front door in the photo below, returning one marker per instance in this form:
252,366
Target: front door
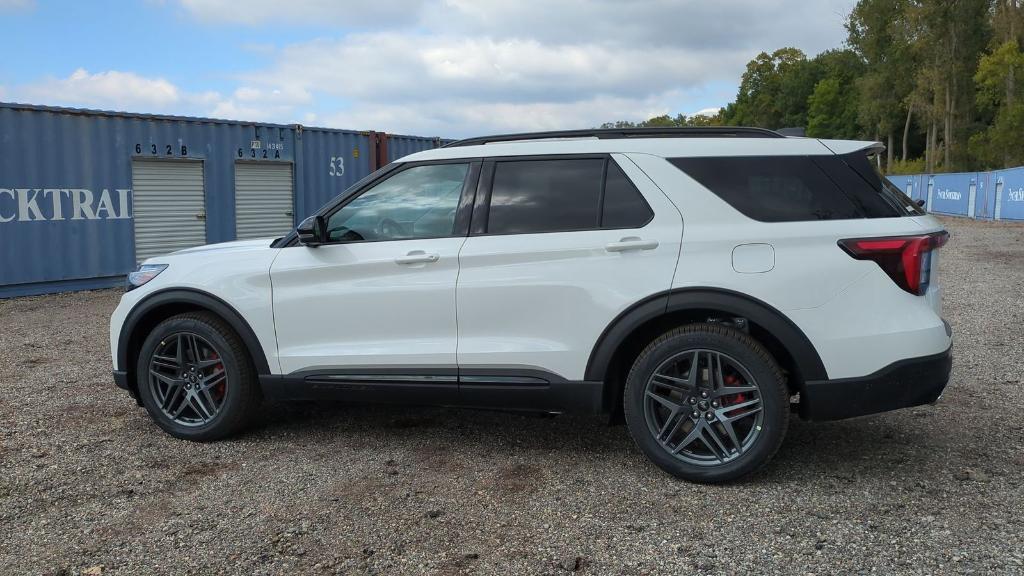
380,296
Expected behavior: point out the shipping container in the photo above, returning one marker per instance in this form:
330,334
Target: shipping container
85,195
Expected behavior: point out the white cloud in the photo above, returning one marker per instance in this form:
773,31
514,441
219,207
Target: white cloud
706,112
111,88
399,67
115,90
16,5
462,67
732,24
458,118
261,103
337,13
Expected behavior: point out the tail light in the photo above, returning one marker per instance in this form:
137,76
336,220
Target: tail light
906,259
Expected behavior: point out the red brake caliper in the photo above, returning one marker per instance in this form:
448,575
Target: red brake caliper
221,386
731,380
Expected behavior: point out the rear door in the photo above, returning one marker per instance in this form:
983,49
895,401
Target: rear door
559,247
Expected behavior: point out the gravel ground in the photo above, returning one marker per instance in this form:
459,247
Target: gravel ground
89,485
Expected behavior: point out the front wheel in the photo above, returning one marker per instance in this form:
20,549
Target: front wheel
195,378
706,403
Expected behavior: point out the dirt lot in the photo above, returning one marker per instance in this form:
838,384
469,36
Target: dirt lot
89,485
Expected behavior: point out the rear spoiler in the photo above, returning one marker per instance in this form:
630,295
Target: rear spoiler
841,147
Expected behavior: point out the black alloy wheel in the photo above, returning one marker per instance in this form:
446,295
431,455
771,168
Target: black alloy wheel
707,403
196,378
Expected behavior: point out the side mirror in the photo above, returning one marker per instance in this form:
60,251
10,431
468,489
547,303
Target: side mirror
920,202
312,231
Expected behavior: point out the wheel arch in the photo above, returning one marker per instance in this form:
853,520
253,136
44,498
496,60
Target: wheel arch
640,324
161,305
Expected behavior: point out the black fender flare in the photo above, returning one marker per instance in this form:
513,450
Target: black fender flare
199,299
807,360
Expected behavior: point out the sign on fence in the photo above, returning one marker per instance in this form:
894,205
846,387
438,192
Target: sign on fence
990,195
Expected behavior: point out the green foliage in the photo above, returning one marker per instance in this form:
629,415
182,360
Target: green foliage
994,69
942,78
833,111
914,166
773,91
999,92
666,121
879,33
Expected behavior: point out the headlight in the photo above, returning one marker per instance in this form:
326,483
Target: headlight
143,274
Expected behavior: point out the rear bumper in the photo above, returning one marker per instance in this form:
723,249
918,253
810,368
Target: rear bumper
906,383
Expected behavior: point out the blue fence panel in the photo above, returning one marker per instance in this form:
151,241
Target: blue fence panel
1008,190
951,193
997,195
984,199
910,184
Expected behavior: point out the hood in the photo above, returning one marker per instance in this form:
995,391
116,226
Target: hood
237,245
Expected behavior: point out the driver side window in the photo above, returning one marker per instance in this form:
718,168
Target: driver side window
419,202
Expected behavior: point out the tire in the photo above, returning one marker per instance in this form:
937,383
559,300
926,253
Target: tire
683,445
223,394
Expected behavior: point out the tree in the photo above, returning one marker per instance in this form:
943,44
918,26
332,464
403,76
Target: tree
832,107
666,121
950,36
773,91
1002,143
879,32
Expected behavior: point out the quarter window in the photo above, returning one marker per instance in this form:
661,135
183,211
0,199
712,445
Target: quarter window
772,188
419,202
624,206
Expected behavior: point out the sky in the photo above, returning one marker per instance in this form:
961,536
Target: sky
450,68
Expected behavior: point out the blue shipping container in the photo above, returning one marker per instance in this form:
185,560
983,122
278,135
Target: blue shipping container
66,217
399,145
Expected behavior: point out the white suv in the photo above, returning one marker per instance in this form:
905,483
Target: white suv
699,281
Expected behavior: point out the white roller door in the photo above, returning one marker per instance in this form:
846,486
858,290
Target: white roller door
168,205
263,200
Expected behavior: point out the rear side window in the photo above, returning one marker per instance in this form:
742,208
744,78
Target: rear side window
560,195
772,188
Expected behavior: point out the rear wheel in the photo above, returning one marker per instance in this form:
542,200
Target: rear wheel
195,378
706,403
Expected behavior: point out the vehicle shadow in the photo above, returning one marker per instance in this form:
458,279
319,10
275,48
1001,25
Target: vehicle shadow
903,445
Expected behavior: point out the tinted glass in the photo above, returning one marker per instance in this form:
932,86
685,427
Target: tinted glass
419,202
531,196
772,188
879,191
624,206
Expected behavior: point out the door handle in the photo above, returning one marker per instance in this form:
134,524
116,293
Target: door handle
631,243
417,257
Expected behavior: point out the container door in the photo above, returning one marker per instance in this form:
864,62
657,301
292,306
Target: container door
169,206
263,200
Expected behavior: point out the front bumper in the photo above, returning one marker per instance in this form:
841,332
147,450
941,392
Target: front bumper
121,379
903,384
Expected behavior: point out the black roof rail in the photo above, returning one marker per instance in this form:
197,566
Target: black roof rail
614,133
